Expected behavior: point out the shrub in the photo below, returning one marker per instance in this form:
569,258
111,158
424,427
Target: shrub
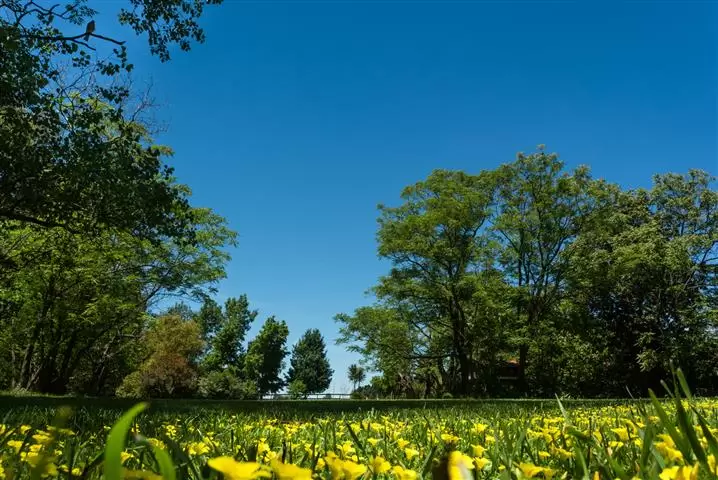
297,389
226,385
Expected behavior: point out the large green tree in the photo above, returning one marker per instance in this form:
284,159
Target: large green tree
226,340
542,210
264,361
73,306
73,152
437,245
309,363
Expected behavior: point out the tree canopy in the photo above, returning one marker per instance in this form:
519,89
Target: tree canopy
531,279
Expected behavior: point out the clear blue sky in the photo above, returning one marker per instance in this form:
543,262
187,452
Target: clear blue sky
295,119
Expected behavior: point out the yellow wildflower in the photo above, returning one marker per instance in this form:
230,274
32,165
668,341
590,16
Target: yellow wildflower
197,448
478,450
401,443
234,470
410,453
459,466
286,471
529,470
679,473
379,465
15,444
404,473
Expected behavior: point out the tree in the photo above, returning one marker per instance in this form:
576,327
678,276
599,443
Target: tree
264,361
74,306
542,210
437,244
644,285
356,374
173,346
225,332
73,151
309,363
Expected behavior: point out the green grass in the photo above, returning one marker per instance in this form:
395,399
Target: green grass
402,439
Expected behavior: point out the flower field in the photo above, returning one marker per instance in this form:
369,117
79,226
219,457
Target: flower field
671,439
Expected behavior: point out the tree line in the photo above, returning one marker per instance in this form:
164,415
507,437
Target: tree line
534,280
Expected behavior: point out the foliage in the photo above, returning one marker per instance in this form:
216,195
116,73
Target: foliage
533,280
70,154
297,389
308,363
265,356
73,307
170,369
225,331
356,375
226,384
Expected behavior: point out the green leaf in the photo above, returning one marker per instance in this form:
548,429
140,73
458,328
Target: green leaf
116,442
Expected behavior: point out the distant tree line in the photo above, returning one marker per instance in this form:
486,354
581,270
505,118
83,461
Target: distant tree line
579,286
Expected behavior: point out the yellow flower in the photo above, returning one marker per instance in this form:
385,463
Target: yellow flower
234,470
479,428
529,470
449,438
410,453
286,471
352,470
622,433
346,449
262,448
42,438
24,429
459,466
157,443
379,465
481,462
15,444
679,473
478,450
372,441
543,454
124,456
548,473
197,448
669,453
401,443
404,473
76,471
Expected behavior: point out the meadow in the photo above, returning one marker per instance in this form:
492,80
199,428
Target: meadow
671,438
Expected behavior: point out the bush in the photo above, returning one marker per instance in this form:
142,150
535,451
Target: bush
226,385
447,396
131,386
297,389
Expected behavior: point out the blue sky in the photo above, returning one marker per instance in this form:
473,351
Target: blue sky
295,119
